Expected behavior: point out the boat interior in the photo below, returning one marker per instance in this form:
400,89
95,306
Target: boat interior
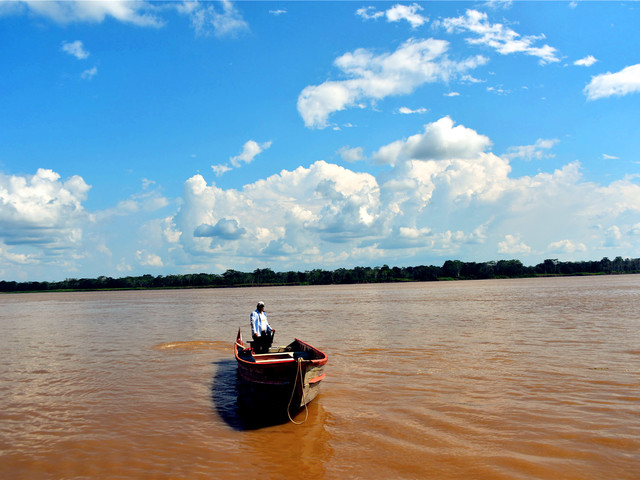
277,354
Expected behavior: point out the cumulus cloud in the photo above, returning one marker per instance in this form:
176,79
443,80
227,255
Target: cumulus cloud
221,169
586,61
41,209
291,212
499,37
250,150
537,151
396,13
441,193
408,13
440,140
11,258
372,77
566,246
351,154
613,235
621,83
635,229
512,245
68,11
227,229
75,49
150,200
207,18
369,13
222,19
124,266
147,259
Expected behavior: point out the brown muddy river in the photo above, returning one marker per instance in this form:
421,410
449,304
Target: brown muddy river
506,379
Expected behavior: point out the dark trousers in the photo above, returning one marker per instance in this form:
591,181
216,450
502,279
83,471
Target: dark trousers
263,342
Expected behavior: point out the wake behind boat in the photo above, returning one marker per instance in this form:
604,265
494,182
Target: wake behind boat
281,381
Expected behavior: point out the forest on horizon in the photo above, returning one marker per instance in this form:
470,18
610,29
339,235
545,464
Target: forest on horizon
450,270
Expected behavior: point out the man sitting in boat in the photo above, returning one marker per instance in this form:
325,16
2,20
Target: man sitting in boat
261,331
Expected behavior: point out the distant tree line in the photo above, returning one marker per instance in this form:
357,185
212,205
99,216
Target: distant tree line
450,270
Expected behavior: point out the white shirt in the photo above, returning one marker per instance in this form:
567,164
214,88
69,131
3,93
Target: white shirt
259,323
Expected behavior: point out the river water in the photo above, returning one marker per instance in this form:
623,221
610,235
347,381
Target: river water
498,379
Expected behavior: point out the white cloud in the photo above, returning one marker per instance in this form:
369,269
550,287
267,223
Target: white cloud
635,229
369,13
349,154
409,111
512,245
206,18
406,12
123,266
147,259
249,151
536,151
147,201
227,229
613,235
443,194
291,213
147,183
452,94
396,13
470,79
68,11
278,12
566,246
499,37
440,140
586,61
608,84
9,257
221,169
498,4
222,19
75,49
498,90
373,77
609,157
89,73
42,210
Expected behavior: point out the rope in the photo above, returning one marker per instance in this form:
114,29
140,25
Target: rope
306,410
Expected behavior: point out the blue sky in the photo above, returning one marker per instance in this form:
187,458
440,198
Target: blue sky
180,137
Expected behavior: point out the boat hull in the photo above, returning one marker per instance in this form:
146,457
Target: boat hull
280,382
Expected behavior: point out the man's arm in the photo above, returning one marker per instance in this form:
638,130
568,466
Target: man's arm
252,320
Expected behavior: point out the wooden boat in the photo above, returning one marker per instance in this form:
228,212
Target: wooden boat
281,381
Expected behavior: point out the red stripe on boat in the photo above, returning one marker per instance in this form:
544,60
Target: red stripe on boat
317,379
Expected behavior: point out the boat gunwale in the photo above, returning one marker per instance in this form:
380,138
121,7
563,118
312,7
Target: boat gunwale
316,362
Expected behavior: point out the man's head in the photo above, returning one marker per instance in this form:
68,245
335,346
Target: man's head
260,306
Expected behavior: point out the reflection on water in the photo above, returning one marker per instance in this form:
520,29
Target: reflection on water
518,379
224,393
